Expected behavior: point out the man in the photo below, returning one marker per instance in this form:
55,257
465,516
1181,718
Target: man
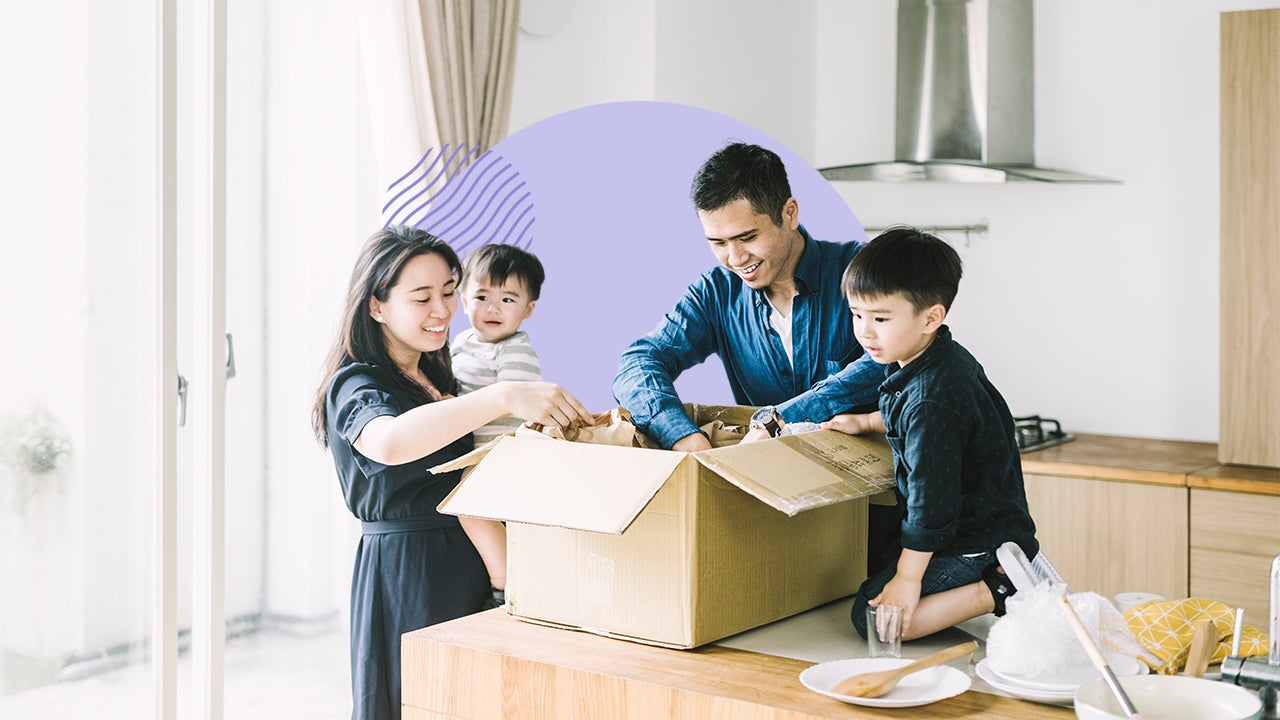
773,311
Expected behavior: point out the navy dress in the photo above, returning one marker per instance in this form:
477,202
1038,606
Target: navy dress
414,567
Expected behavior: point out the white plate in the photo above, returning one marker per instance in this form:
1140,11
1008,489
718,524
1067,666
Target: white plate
920,688
998,682
1067,680
1048,692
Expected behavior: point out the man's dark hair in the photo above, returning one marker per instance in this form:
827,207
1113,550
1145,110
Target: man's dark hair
739,170
924,268
496,263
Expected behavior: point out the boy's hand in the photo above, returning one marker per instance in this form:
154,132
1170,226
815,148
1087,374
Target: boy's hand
904,589
851,424
903,592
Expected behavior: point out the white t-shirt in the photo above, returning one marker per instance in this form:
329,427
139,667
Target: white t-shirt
782,325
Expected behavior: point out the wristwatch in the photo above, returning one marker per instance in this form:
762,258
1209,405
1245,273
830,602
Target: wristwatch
767,417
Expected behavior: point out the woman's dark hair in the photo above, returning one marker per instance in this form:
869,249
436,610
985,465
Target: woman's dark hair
739,170
496,263
924,268
377,270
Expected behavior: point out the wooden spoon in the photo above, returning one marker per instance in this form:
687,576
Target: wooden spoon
1203,643
875,684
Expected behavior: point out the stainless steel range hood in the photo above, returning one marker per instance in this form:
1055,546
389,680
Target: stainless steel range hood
965,100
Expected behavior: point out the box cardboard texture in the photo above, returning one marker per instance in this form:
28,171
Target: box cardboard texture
677,549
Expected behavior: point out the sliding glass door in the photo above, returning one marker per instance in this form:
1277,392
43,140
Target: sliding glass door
176,230
88,365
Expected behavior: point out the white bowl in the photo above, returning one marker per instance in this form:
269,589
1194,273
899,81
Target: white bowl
1168,697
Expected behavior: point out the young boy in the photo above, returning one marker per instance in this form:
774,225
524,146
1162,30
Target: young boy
958,471
500,286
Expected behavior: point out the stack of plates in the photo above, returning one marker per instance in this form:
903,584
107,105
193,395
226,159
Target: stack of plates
1058,687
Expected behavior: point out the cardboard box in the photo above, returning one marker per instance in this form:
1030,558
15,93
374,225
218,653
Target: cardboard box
677,549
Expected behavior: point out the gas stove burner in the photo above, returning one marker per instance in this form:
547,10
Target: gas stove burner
1036,433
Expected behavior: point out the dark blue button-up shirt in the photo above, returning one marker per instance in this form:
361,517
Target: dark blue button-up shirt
720,314
954,454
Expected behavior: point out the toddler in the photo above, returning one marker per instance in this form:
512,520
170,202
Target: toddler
500,286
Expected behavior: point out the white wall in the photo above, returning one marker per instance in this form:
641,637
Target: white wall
1096,305
739,58
591,52
743,59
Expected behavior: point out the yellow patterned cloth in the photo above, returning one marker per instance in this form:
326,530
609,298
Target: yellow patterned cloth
1165,627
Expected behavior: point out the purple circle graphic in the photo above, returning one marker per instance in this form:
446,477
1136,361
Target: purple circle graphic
619,236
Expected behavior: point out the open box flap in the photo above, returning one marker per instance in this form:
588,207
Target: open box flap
476,455
471,458
794,473
599,488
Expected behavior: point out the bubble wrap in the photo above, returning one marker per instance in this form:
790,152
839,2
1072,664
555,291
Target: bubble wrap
798,427
1033,638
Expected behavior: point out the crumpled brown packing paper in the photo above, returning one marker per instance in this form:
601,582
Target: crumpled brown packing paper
615,428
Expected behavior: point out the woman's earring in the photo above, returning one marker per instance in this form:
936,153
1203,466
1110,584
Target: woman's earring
379,318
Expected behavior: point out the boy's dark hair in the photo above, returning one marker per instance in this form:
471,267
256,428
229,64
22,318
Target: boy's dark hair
496,263
924,268
739,170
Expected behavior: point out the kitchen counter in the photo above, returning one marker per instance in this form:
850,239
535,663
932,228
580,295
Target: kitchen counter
1154,462
492,665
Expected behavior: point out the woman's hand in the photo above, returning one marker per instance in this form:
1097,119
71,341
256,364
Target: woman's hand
545,403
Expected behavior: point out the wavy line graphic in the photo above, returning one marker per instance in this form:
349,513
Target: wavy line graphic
466,197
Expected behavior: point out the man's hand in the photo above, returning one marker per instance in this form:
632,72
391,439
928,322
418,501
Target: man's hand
692,443
756,434
851,424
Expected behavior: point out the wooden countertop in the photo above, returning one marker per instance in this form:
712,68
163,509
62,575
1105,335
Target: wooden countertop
491,665
1143,460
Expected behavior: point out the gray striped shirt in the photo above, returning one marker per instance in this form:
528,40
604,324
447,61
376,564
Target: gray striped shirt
478,364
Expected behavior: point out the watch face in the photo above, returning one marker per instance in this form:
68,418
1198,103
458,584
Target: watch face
763,415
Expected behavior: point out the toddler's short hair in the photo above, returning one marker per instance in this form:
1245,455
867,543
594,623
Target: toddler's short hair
496,263
924,268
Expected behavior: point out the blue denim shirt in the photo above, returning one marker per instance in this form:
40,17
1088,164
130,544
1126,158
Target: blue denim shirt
954,454
719,314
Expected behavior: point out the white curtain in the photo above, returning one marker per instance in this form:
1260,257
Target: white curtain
437,72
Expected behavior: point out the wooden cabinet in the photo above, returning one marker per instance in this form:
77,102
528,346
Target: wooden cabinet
1234,537
491,665
1249,403
1112,537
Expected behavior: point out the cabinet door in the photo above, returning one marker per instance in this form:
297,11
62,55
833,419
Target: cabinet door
1249,405
1111,537
1233,541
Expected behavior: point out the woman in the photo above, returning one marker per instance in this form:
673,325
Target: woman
387,413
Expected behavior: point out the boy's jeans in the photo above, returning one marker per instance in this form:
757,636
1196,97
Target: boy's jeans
943,573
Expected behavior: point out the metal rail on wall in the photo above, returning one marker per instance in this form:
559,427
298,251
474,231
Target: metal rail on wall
979,228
